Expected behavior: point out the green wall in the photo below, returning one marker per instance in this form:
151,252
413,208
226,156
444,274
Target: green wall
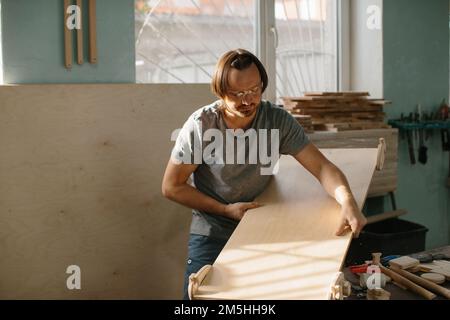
33,43
416,70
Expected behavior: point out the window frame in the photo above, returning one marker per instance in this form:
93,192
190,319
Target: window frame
1,47
343,45
266,43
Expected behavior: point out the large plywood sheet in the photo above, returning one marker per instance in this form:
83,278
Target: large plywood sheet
287,248
80,184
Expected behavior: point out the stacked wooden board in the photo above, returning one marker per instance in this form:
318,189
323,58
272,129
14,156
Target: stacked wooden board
339,111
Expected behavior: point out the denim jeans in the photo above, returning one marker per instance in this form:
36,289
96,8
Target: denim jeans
202,250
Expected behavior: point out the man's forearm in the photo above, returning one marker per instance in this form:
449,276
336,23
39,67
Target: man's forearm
336,184
194,199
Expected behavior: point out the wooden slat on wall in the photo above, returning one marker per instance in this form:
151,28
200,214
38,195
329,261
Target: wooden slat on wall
80,184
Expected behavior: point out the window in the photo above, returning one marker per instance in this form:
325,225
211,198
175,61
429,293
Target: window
1,49
180,41
306,56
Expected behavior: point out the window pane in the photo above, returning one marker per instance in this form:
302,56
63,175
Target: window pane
180,41
1,43
307,51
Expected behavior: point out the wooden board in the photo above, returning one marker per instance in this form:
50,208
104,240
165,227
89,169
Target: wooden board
404,262
80,50
287,248
81,169
339,111
68,54
383,181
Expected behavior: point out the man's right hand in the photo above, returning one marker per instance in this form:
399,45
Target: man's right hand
237,210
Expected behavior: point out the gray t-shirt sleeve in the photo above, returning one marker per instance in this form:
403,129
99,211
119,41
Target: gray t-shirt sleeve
188,148
292,136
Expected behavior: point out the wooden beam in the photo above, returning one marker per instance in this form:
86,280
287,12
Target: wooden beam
68,54
80,59
92,31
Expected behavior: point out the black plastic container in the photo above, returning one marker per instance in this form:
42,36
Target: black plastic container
390,237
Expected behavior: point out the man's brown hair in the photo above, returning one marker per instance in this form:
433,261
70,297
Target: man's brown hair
239,59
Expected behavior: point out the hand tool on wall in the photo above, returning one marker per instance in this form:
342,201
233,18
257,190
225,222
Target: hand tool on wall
426,118
448,179
412,157
92,32
444,110
417,131
80,35
422,156
443,114
402,132
422,153
445,139
409,137
67,38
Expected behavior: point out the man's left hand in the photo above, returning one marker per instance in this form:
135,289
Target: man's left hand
351,217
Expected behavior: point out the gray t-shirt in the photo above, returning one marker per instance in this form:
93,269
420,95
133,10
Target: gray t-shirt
221,175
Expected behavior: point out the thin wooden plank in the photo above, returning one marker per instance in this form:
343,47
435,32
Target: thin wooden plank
287,248
68,54
92,31
80,50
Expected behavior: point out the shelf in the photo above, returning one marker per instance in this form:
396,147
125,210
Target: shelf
428,125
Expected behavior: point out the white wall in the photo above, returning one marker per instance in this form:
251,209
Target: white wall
366,49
